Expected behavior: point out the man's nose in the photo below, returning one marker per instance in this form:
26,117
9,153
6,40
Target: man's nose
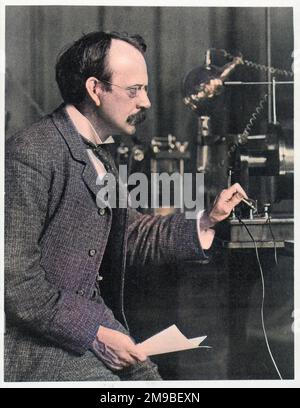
143,100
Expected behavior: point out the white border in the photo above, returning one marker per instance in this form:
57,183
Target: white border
164,384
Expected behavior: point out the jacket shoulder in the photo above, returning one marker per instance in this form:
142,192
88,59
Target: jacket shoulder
41,138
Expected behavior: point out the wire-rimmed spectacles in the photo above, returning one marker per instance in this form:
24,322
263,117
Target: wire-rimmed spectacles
132,91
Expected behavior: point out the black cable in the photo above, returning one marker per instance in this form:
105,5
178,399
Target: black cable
263,298
273,237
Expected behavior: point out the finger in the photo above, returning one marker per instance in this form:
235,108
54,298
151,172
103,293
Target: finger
127,359
115,366
121,357
235,200
240,190
110,352
235,188
139,355
115,358
111,364
142,357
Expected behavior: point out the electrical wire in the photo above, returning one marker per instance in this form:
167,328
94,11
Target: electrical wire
258,110
273,238
259,67
263,298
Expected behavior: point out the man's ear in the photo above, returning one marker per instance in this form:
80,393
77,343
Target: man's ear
94,90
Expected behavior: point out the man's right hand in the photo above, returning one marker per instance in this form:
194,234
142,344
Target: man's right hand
116,350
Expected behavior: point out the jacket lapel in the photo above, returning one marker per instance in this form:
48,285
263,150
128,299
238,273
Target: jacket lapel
89,176
77,148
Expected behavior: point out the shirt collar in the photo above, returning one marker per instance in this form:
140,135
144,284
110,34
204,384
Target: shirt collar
84,126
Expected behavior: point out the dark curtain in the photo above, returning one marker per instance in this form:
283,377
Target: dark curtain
177,38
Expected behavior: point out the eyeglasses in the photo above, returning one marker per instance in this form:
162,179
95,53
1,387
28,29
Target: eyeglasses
132,91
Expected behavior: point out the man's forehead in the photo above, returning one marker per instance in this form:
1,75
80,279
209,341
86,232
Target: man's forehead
124,57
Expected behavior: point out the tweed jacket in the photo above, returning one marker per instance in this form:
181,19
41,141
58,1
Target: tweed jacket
55,238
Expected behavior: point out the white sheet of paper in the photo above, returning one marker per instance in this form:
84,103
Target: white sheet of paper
169,340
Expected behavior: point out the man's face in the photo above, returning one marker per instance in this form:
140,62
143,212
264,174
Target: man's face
118,107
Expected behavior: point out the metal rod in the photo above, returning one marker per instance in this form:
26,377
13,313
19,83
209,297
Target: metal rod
258,83
269,63
208,59
256,137
248,203
274,102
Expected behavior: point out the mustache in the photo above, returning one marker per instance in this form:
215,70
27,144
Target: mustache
137,118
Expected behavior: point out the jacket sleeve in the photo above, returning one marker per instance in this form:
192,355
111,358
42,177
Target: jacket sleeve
31,301
162,239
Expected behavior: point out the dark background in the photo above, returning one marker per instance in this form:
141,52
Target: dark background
177,38
221,299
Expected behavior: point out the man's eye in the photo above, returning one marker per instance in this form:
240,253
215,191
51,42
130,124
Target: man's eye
133,91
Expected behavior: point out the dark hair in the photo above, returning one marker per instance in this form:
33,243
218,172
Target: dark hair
86,58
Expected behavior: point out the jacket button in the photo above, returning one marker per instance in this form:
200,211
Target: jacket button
80,292
92,252
101,211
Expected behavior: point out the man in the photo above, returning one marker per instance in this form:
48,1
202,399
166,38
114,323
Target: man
65,257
